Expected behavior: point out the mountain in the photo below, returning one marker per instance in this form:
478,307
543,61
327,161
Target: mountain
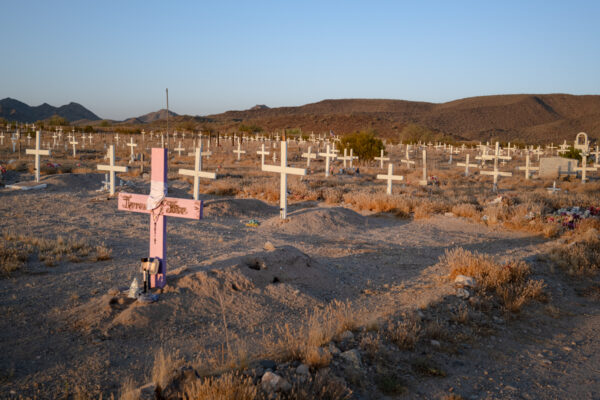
519,117
15,110
150,117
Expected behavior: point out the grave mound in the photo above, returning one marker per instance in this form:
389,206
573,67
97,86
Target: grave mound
73,181
320,221
238,208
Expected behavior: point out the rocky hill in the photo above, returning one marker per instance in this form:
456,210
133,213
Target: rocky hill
15,110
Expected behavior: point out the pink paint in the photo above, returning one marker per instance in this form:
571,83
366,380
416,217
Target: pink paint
170,207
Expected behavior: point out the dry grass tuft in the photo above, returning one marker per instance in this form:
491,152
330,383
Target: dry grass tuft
580,257
228,386
129,390
467,211
509,282
405,333
12,257
103,253
165,367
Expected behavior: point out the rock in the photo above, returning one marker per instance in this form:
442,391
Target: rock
113,291
347,335
449,214
303,369
268,364
465,281
352,357
271,382
333,349
463,293
269,246
435,343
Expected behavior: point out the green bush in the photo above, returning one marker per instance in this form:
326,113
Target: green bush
572,153
364,144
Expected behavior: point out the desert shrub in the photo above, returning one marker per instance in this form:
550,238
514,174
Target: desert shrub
405,333
379,202
466,210
581,256
364,145
12,257
229,386
333,195
165,367
510,282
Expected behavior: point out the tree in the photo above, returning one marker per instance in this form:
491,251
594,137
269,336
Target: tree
572,153
88,129
250,128
364,144
57,120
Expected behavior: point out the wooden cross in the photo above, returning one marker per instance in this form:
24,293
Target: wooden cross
496,173
131,145
262,153
528,168
284,170
466,165
596,156
563,148
239,150
308,155
328,156
345,157
197,172
74,149
381,159
112,168
583,167
159,207
352,157
37,152
407,160
390,177
179,149
423,181
553,189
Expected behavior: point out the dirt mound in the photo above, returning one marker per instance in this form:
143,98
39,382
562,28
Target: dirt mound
239,208
70,181
318,221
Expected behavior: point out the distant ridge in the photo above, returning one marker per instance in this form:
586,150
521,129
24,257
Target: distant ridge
15,110
151,117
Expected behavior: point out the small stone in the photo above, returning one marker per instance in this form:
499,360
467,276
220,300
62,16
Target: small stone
269,246
567,348
435,343
449,214
352,357
113,291
271,382
302,369
347,335
465,281
463,293
268,364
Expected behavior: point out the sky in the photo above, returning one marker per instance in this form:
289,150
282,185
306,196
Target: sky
117,57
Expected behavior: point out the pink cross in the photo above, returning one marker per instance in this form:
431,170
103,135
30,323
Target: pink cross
169,207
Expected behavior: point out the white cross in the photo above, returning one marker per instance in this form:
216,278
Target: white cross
423,181
596,157
308,155
563,148
466,165
381,159
262,153
407,160
583,167
345,157
2,138
37,152
390,177
74,149
284,170
131,145
495,173
328,156
197,172
117,138
179,149
528,168
553,189
112,168
239,150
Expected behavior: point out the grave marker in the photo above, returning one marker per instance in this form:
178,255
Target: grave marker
466,165
112,168
496,173
308,155
197,172
328,156
37,152
381,159
390,177
262,153
159,207
528,168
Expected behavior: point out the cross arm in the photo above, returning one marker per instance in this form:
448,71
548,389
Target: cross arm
201,174
115,168
170,207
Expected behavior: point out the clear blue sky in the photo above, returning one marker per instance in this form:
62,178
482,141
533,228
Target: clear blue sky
117,57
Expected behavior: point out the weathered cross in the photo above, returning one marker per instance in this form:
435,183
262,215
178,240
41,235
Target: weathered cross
528,168
328,156
37,152
563,148
179,149
239,150
112,168
345,157
74,149
466,165
159,207
423,181
584,168
284,170
197,172
381,159
131,145
1,138
390,177
308,155
262,153
408,160
495,173
553,189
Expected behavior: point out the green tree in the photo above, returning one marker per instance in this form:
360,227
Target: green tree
250,128
88,129
57,120
364,144
572,153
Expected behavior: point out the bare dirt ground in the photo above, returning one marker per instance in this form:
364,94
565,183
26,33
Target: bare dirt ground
67,329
